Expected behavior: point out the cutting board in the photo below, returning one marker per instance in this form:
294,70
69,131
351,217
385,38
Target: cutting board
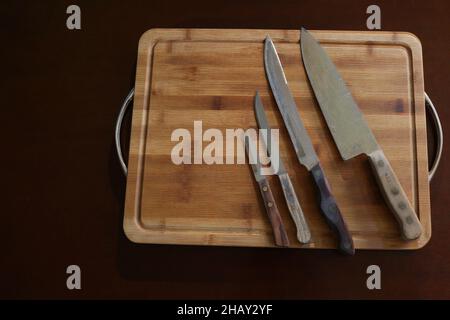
187,75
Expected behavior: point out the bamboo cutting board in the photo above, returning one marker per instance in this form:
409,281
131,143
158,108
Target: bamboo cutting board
186,75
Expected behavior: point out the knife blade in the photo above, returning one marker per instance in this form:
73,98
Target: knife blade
279,231
351,133
303,146
303,233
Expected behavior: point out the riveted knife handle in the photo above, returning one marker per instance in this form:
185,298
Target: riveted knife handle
331,211
279,231
395,196
303,233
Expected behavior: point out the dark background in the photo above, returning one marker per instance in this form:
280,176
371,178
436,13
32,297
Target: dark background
63,189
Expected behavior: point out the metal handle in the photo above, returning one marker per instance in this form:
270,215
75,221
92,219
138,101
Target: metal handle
123,109
440,136
428,104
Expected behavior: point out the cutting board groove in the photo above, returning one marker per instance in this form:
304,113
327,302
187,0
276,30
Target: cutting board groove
184,75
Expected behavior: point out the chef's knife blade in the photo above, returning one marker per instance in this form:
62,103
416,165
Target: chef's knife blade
303,233
302,144
351,132
279,231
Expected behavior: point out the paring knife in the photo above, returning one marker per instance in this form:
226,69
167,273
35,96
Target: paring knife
279,231
303,233
350,131
303,146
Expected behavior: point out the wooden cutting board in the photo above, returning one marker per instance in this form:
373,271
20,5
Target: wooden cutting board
184,75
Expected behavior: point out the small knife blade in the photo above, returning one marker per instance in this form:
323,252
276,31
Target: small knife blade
303,146
350,131
279,231
303,233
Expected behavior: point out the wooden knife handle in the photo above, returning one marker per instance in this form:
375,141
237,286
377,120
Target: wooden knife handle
395,196
331,211
303,233
279,231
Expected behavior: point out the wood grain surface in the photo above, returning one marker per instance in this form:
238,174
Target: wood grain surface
186,75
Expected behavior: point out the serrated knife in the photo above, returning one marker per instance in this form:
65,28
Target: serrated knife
279,231
303,146
350,131
303,233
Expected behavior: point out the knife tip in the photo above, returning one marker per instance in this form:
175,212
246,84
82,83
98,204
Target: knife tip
303,33
267,39
305,38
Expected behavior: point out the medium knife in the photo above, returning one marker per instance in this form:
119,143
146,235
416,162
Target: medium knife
279,231
351,133
303,233
303,146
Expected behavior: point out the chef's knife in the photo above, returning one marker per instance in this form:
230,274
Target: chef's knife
303,233
303,146
351,132
279,231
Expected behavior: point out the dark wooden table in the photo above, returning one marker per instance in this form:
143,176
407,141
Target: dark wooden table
63,189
